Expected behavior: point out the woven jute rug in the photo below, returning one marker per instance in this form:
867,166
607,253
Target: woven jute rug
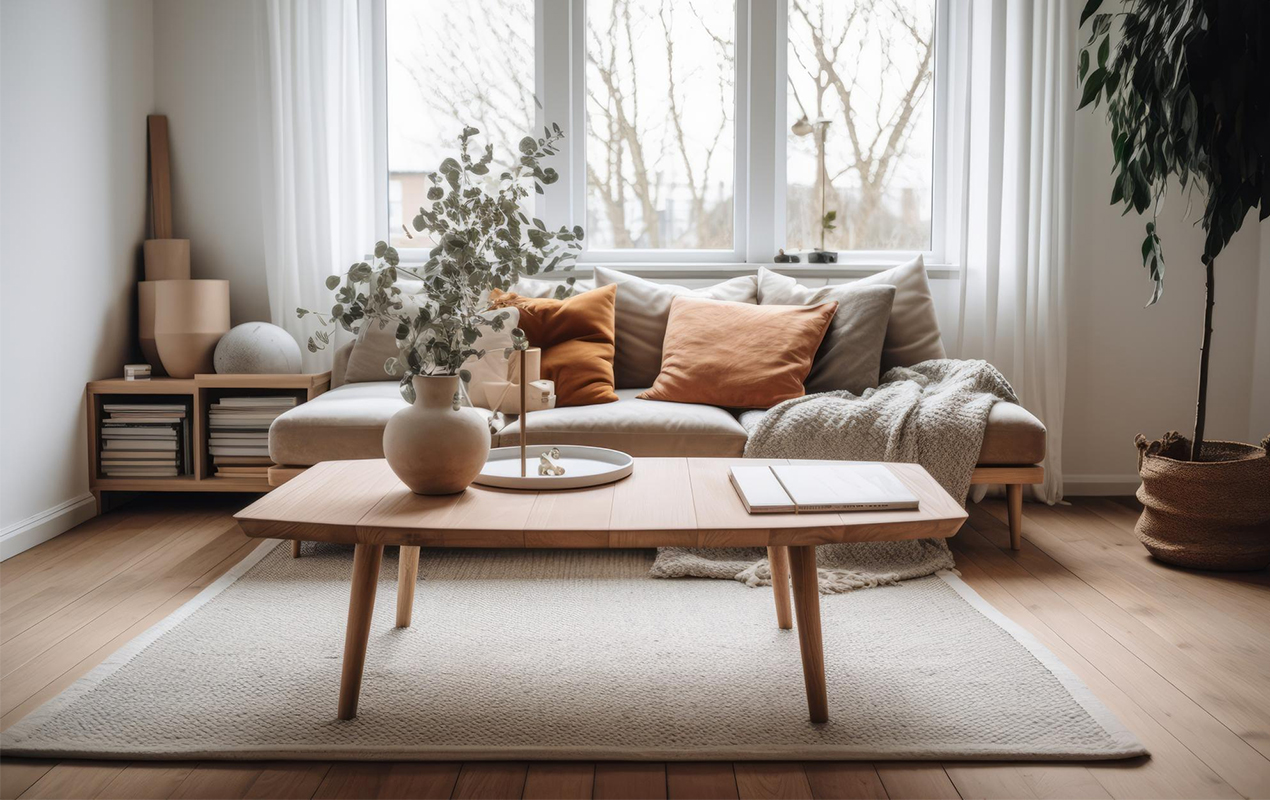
570,654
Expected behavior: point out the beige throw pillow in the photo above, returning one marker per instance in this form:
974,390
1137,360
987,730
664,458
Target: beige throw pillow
851,354
912,336
643,308
375,346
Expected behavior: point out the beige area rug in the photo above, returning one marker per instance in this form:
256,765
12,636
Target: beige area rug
570,654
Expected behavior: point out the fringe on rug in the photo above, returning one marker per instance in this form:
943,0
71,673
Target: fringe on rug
842,567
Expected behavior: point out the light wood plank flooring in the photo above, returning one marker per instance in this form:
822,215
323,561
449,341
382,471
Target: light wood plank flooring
1182,657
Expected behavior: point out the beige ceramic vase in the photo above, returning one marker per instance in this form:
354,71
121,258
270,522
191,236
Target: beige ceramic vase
189,319
434,448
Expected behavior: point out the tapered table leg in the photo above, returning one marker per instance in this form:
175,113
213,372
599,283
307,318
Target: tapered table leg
295,548
778,557
407,574
361,607
802,562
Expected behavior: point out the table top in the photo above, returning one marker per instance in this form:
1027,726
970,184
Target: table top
665,502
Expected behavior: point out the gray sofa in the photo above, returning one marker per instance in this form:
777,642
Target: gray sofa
348,422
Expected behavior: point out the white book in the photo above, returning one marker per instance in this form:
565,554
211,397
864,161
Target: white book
809,488
140,444
760,491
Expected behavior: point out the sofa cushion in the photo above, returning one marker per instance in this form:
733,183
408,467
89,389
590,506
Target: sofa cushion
634,426
576,337
850,357
912,335
643,309
344,423
737,355
1013,436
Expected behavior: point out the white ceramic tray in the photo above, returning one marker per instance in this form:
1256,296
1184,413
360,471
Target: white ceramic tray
584,466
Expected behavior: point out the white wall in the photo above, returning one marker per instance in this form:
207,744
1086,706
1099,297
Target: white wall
76,83
1133,369
206,82
1259,414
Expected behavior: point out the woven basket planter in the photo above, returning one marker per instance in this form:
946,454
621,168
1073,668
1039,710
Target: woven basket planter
1207,514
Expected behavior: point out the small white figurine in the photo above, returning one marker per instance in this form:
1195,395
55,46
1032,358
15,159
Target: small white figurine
546,464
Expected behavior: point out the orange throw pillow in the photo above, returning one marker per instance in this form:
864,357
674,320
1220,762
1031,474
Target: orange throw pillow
576,337
738,355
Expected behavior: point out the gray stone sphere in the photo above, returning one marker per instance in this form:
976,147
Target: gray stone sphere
256,348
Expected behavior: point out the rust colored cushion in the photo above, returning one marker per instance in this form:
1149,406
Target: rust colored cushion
576,337
738,355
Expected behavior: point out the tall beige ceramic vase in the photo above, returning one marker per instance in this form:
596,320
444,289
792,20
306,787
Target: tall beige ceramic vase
433,447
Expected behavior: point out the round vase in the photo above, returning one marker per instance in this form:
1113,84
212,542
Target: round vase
432,447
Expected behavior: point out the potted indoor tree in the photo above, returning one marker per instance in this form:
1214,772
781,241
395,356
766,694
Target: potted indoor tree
1185,93
483,241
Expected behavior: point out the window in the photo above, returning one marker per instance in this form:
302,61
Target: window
480,73
859,117
697,130
660,110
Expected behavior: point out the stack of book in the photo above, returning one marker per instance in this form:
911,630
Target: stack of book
145,440
136,372
238,434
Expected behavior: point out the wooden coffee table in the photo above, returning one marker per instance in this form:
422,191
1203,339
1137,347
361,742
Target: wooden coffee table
666,502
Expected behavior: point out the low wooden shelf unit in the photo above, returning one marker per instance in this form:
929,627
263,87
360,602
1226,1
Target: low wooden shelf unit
199,392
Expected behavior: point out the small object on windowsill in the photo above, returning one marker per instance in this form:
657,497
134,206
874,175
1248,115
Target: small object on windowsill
822,257
785,258
136,372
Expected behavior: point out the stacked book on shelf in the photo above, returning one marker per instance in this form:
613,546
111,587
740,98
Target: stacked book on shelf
238,434
145,440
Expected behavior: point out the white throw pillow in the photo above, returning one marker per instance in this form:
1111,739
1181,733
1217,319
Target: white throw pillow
912,335
851,352
640,317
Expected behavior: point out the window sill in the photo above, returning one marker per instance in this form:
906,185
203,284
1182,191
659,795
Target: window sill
672,271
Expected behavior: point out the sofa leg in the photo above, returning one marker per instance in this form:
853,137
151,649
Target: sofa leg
1014,497
295,548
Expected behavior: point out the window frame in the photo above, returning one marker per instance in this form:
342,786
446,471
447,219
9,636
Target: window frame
759,148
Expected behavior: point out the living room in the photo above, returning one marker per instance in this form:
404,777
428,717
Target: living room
635,398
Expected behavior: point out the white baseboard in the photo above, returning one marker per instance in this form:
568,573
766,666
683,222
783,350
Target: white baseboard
45,525
1100,485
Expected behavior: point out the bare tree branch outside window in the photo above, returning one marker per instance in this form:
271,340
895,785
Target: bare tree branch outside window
865,69
660,106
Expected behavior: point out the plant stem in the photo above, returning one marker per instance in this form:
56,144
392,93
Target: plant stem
1201,404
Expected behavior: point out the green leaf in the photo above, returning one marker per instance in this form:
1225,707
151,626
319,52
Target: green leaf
1090,8
528,146
1093,85
332,281
1104,50
1083,66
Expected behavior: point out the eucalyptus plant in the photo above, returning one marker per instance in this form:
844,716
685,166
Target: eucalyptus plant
483,241
1186,97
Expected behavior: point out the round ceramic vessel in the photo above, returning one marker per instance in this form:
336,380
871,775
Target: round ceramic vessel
432,447
584,466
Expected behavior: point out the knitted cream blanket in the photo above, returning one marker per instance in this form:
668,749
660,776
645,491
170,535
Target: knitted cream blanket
933,414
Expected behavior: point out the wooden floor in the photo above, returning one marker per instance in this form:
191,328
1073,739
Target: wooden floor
1183,658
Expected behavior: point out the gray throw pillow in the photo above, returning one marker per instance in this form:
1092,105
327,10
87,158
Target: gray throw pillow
641,314
912,336
850,355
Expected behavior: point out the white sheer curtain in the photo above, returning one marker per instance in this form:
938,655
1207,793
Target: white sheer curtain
1013,63
317,154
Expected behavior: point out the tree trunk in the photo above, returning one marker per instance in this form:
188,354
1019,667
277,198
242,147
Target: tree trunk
1201,404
